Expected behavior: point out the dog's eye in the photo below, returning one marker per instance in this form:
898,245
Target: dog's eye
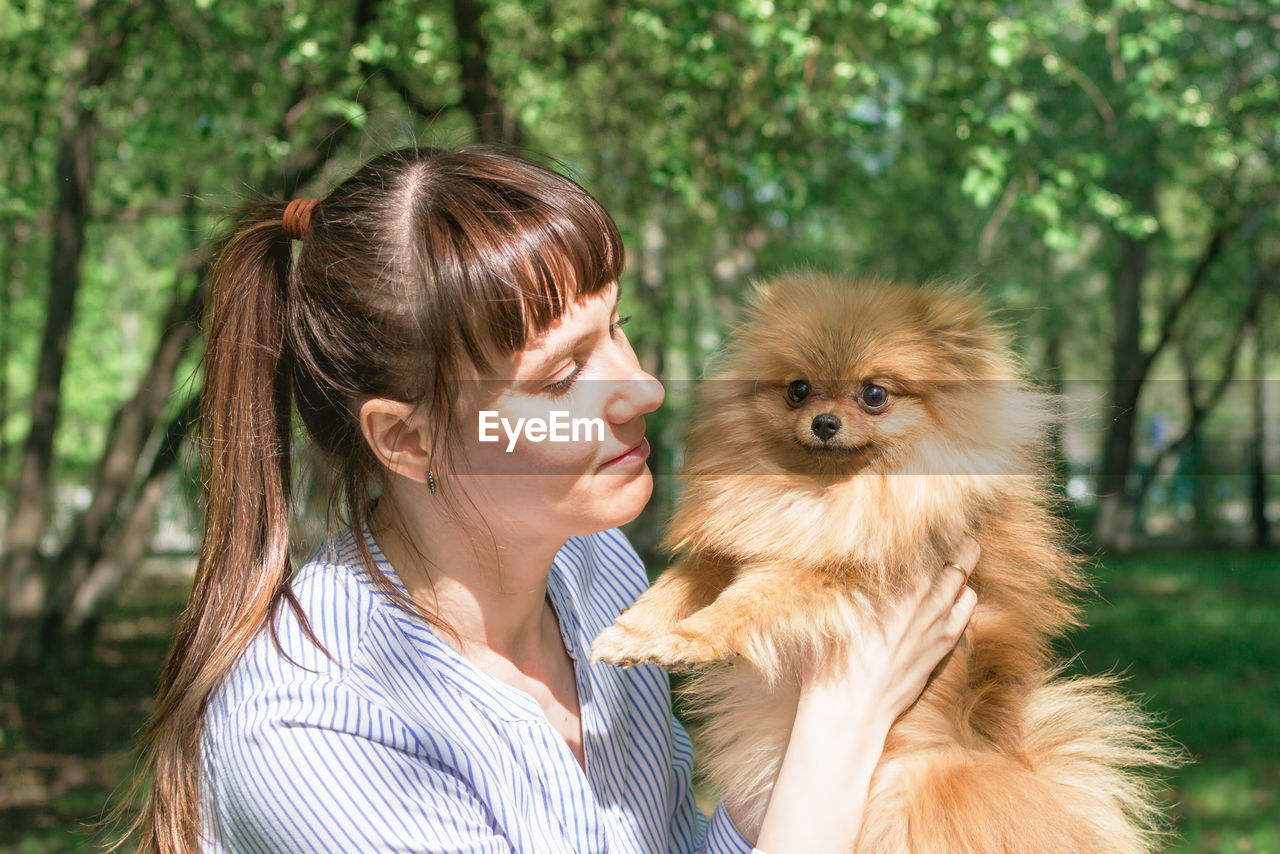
874,396
797,391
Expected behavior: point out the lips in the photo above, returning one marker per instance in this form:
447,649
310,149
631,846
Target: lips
637,452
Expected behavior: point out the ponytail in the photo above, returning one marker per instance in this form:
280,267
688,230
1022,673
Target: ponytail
244,568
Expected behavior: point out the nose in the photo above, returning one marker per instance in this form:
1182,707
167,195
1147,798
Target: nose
635,392
825,426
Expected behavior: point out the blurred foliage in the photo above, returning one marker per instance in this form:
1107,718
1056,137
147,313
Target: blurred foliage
1026,147
1004,142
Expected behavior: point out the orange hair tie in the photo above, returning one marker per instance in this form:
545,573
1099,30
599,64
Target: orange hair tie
297,217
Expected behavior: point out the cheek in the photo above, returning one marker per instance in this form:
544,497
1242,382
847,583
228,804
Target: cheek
772,416
558,457
800,423
904,424
535,445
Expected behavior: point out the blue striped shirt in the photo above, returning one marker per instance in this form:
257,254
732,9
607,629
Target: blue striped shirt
400,744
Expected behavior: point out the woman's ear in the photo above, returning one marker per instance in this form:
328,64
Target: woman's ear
397,436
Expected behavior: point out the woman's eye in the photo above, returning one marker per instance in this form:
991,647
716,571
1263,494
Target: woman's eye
797,391
561,386
874,396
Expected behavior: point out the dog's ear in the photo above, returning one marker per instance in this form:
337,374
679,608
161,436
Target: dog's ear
761,289
949,311
788,286
955,319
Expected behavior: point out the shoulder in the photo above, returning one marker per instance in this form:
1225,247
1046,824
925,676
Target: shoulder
331,601
350,685
302,663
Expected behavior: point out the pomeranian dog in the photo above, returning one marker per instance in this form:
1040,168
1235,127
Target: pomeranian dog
854,434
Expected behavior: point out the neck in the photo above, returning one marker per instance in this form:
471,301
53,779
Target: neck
489,586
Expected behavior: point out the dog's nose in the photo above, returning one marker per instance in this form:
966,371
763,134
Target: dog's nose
825,426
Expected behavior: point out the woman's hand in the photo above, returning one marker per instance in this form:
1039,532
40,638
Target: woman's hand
846,710
893,661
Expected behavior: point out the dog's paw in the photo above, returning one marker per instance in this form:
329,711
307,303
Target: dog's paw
677,651
681,651
620,645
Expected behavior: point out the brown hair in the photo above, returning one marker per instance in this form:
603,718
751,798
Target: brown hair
422,265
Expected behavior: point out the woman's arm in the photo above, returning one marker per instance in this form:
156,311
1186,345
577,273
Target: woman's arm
845,713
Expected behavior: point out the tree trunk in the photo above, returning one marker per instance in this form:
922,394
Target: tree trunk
1130,367
109,571
23,579
1261,525
9,246
495,123
131,428
1201,406
1115,510
110,536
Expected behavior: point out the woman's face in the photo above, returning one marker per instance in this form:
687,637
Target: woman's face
555,447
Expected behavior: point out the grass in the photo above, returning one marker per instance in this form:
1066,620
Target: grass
1198,635
67,728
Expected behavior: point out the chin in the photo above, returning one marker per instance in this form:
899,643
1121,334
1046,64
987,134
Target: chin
625,499
852,434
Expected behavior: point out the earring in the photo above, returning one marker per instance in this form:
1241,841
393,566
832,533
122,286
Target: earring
431,482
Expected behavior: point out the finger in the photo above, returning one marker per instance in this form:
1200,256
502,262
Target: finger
939,592
944,593
962,611
966,555
954,578
960,566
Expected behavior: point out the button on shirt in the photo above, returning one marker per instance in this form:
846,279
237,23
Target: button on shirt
395,742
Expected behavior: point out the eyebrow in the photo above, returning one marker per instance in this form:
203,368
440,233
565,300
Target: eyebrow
561,353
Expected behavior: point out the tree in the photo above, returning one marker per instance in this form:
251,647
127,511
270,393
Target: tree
324,105
92,62
1107,172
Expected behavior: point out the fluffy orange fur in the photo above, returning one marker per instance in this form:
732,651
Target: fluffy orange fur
793,532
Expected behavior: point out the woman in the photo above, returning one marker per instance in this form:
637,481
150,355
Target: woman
423,682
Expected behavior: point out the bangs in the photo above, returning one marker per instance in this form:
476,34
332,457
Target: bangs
514,246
